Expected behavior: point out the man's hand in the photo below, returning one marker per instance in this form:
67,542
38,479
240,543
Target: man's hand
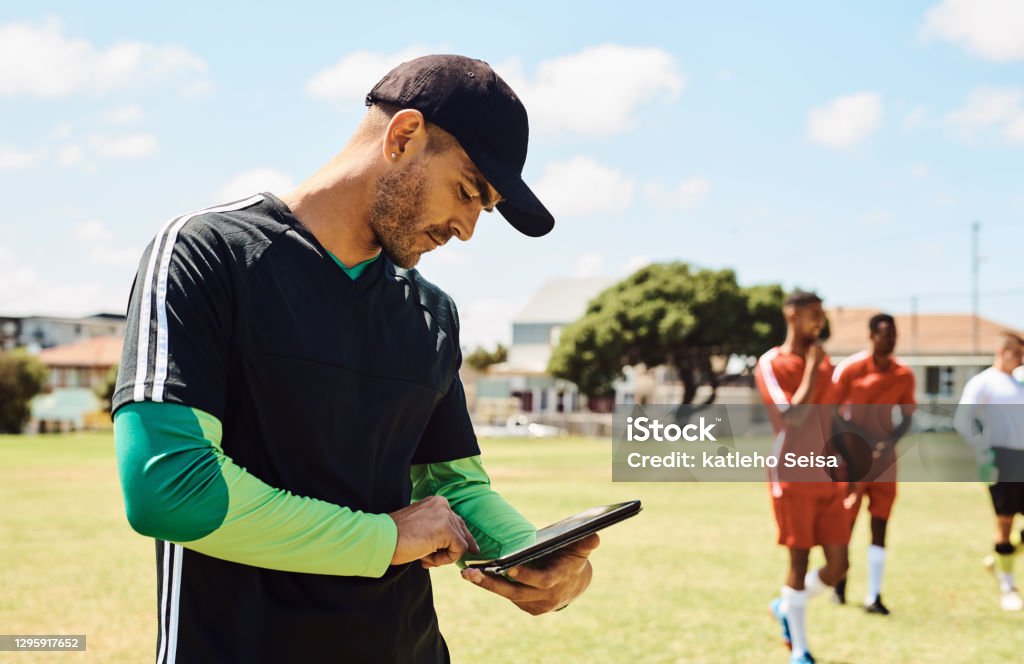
815,354
854,490
429,531
883,447
547,585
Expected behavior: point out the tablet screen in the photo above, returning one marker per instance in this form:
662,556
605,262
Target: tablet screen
563,532
565,525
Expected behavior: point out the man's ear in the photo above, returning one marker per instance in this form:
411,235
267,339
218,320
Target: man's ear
406,134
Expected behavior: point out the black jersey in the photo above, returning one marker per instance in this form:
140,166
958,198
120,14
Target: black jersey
326,387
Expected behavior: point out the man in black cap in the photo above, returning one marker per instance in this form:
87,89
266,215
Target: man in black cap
290,424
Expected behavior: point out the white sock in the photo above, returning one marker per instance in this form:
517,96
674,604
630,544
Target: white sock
813,584
794,604
1006,583
876,566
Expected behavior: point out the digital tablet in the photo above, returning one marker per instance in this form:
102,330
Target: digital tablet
560,534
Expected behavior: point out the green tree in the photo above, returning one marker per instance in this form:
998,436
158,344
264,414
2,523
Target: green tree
105,389
22,376
480,359
671,314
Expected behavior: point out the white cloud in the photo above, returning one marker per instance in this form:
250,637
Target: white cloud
875,218
356,73
92,230
449,255
13,159
93,237
125,115
252,182
38,60
597,91
635,263
1014,130
23,290
69,155
915,117
580,186
102,254
919,171
684,196
845,121
488,321
128,146
589,265
992,29
991,108
60,132
196,88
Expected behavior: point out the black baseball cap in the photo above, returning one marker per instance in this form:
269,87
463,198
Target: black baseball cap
467,99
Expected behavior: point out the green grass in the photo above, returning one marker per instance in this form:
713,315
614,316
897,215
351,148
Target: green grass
689,580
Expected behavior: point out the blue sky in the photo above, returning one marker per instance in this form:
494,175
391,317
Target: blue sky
845,148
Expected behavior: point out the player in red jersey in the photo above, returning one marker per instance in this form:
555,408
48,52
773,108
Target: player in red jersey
871,385
808,513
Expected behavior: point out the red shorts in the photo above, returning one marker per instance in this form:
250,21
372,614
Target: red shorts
811,514
881,496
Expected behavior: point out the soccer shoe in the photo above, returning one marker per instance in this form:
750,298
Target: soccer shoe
989,563
1011,601
877,607
802,658
783,621
839,592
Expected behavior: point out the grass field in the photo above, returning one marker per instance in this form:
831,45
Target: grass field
689,580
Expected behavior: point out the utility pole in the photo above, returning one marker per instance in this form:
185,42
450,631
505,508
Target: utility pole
913,324
975,298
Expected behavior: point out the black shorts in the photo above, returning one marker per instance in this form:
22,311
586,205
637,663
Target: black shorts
1007,497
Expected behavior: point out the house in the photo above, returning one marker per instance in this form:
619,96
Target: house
941,349
83,363
76,370
944,350
522,382
39,332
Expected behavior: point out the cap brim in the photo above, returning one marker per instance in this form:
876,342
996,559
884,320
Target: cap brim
521,207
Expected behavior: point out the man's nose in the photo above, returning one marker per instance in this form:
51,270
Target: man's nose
463,227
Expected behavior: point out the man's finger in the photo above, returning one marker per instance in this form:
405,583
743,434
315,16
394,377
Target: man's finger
584,546
471,544
439,558
543,578
499,586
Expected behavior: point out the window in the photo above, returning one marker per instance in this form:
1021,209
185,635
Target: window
938,381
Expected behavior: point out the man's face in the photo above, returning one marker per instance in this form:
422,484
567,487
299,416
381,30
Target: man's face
1012,353
807,321
434,197
883,339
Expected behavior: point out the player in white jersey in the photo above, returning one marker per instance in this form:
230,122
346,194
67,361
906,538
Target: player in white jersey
990,418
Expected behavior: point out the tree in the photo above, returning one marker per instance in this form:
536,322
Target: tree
481,358
105,389
671,314
22,376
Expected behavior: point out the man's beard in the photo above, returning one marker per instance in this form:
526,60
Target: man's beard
396,215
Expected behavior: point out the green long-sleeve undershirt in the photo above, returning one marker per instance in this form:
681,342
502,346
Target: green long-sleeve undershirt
179,486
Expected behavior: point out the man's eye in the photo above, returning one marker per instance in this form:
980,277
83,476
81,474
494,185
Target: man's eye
464,194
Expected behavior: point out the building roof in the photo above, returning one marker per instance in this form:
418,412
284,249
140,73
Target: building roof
96,352
920,334
94,319
562,300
